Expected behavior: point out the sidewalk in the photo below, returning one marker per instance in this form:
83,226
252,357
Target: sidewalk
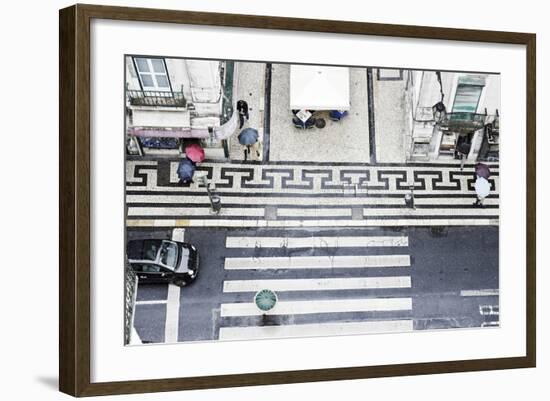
309,195
249,86
391,117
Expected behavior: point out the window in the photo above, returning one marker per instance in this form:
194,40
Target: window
152,74
468,93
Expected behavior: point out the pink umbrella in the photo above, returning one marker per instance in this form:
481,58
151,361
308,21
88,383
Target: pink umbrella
195,153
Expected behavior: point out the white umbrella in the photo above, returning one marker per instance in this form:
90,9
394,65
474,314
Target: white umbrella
482,187
319,88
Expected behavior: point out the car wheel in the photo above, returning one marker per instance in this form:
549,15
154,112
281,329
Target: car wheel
180,283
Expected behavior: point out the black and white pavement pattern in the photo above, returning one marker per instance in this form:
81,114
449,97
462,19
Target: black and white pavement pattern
308,195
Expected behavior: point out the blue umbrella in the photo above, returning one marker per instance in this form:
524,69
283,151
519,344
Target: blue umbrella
248,136
186,169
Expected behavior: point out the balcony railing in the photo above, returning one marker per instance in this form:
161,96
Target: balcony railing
156,98
463,122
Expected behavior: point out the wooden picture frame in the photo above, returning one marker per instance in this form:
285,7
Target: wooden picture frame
75,199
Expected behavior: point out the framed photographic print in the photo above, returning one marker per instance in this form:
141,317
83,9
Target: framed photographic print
250,200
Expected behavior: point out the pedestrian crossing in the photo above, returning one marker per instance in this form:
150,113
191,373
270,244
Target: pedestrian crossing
315,295
314,330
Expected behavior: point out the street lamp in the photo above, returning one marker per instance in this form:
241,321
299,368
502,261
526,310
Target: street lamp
409,197
215,199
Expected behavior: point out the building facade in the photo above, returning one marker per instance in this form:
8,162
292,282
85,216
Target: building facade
453,116
172,102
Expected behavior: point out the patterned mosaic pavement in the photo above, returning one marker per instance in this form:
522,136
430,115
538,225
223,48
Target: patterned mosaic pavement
308,195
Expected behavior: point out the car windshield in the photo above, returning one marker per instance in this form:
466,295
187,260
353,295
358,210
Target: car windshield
169,254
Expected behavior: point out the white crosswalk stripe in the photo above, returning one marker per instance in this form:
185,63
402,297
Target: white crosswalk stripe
317,284
313,330
319,306
317,262
315,242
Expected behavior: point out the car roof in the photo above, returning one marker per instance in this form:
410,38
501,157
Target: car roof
135,249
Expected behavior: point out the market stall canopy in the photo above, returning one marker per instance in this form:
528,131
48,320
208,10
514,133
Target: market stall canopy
319,88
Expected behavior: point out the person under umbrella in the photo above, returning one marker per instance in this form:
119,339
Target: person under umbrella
248,137
195,153
482,187
186,170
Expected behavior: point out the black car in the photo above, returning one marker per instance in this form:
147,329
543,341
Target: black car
163,261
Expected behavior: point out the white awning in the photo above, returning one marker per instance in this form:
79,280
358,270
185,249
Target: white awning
161,117
319,87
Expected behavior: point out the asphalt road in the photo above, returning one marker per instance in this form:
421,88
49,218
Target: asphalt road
450,270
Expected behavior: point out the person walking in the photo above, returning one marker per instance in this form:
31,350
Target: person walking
186,170
247,138
252,152
482,188
242,109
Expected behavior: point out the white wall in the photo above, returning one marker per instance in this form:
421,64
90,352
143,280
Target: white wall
492,95
131,75
201,75
28,334
178,76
